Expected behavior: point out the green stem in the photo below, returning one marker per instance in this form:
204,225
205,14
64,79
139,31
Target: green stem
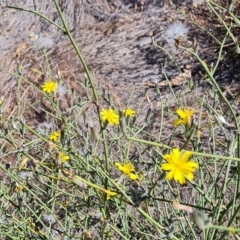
210,75
36,197
182,203
38,14
66,31
194,153
77,50
229,229
151,220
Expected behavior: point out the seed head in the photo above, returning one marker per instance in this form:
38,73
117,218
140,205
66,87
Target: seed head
177,31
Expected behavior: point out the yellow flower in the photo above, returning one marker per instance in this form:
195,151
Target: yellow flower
179,166
63,157
198,133
34,70
18,188
54,136
129,112
127,169
110,193
49,87
185,117
109,115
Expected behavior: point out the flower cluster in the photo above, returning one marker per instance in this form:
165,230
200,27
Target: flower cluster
179,166
112,117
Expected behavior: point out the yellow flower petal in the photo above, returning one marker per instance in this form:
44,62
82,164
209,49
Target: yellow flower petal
189,176
177,122
179,177
166,166
175,155
181,113
191,166
132,176
117,164
168,158
186,156
170,175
